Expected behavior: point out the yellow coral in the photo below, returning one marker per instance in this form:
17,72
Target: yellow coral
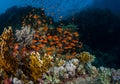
38,65
59,62
8,64
86,57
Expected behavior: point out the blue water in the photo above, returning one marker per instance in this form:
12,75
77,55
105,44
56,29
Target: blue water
64,8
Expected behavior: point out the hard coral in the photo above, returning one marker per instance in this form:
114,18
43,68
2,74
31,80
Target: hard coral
38,65
86,57
8,63
35,65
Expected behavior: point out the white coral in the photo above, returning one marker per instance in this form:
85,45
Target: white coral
25,35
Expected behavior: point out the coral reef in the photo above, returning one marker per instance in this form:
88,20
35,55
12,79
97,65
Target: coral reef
49,55
40,54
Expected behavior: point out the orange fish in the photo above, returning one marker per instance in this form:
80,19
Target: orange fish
44,41
40,40
69,46
60,50
49,37
35,16
37,48
51,43
68,57
69,38
49,49
23,50
39,22
64,41
33,46
34,41
75,41
36,35
56,41
55,38
67,43
74,53
49,53
68,33
76,34
41,45
59,45
72,44
65,32
59,29
66,47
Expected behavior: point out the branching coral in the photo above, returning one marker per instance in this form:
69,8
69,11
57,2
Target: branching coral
5,40
35,65
38,65
86,57
8,63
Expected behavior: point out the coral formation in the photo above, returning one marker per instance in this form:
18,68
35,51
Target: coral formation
48,55
8,62
25,35
39,65
86,57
